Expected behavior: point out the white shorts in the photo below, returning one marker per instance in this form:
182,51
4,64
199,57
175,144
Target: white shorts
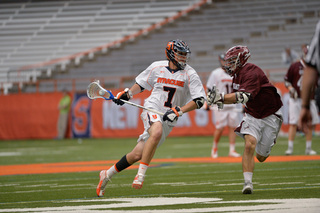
148,118
226,118
265,131
295,108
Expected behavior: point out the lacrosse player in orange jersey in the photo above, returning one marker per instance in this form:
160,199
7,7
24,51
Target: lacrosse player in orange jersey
176,89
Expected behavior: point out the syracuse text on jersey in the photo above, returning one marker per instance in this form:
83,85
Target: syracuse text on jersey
170,81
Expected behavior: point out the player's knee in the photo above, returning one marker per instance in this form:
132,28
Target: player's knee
156,133
261,158
155,138
250,146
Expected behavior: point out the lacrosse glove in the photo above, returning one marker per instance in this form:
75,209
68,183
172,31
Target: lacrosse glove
126,94
293,93
215,97
172,114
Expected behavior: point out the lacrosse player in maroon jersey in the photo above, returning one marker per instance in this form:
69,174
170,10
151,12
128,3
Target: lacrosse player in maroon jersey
292,81
262,121
310,77
176,89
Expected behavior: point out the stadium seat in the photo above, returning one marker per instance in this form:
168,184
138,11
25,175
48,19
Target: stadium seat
39,32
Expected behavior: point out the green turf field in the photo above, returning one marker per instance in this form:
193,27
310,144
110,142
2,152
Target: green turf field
168,187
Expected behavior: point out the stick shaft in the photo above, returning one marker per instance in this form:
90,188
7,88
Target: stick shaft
92,94
142,107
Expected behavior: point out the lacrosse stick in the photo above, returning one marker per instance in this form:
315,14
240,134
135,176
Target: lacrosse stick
95,91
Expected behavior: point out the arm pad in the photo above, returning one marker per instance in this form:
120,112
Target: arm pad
199,102
287,83
242,97
140,87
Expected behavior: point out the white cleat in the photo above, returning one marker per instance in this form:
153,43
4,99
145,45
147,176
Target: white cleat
247,188
138,181
104,179
234,154
214,153
289,152
311,152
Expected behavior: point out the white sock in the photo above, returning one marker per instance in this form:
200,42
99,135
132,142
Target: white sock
247,177
290,145
112,171
308,145
232,147
143,168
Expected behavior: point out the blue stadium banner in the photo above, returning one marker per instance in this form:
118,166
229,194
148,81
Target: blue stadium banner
80,113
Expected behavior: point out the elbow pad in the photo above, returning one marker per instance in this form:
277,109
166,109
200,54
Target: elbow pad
199,102
287,83
141,88
242,97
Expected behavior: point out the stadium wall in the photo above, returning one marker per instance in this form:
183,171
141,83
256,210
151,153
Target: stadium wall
34,116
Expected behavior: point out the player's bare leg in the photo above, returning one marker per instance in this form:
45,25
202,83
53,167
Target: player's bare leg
248,163
232,143
148,152
309,151
136,154
126,161
216,138
291,136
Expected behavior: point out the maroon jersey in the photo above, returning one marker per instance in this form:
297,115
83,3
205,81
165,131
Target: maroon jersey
264,99
294,76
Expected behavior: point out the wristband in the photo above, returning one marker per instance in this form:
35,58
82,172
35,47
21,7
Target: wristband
222,97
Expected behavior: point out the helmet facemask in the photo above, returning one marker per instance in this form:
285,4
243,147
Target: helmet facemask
232,64
181,59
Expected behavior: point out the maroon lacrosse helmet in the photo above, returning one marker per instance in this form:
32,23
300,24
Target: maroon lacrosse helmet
235,58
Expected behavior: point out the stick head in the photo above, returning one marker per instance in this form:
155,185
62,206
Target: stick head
95,91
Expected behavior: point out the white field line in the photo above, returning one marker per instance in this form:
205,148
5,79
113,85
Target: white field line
56,187
112,206
9,154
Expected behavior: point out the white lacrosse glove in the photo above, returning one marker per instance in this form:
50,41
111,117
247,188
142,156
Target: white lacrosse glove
215,97
172,114
293,93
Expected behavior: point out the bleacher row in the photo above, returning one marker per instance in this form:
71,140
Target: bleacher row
36,32
39,31
266,26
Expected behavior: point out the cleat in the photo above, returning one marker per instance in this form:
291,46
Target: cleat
311,152
289,152
104,179
214,153
234,154
247,188
138,181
